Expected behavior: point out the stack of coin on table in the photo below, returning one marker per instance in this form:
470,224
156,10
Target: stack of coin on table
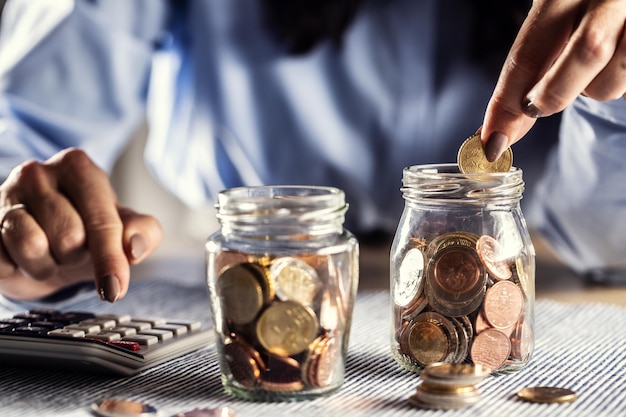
448,386
282,324
462,297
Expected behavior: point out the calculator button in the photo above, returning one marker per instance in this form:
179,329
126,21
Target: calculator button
67,332
105,336
5,327
177,329
87,328
119,318
162,335
191,325
50,325
103,323
16,322
142,339
154,321
124,331
139,326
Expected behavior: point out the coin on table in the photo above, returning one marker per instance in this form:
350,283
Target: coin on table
546,395
113,407
454,374
490,254
295,280
472,159
286,328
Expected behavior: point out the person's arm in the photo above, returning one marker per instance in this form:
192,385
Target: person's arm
563,49
73,74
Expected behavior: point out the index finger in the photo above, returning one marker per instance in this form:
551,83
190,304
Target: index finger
541,39
89,189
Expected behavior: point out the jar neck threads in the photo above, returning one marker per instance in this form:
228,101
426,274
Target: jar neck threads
444,183
281,212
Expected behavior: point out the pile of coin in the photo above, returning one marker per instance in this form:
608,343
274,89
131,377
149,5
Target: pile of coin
448,386
282,323
458,300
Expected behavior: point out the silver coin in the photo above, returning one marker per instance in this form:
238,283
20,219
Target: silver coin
114,407
410,278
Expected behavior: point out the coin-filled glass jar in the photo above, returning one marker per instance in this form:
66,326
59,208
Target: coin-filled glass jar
282,274
462,270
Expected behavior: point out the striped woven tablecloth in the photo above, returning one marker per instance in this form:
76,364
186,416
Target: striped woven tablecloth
581,347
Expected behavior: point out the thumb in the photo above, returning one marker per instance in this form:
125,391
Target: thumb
142,234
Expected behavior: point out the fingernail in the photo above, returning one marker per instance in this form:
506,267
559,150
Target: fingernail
531,110
138,246
496,145
109,288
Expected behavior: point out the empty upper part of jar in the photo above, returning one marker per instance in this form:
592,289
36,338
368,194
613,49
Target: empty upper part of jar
281,210
435,182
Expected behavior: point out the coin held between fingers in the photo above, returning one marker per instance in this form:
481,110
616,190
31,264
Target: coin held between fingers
495,146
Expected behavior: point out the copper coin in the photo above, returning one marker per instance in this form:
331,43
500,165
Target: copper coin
445,240
241,292
455,273
480,324
416,307
287,328
522,340
113,407
322,364
490,253
503,304
491,348
471,158
282,374
244,362
451,308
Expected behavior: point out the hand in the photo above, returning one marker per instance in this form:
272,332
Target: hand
62,224
563,49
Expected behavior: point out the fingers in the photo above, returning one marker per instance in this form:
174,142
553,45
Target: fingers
563,49
610,84
589,53
540,40
142,234
95,201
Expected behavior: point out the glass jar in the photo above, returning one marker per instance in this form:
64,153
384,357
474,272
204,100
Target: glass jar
462,271
282,275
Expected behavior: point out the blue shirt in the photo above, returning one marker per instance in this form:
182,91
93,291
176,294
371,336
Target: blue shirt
227,106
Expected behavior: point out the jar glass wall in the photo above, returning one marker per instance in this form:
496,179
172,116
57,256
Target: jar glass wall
282,275
462,271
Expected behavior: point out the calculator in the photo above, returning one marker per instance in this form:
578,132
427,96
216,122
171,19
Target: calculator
114,344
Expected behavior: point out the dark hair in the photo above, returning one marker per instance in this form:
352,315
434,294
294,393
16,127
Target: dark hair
300,25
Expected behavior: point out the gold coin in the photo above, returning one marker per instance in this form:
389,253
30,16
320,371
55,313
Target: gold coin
472,159
546,395
241,293
286,328
295,280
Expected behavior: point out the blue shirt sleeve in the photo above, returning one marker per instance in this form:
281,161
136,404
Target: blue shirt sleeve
581,202
64,84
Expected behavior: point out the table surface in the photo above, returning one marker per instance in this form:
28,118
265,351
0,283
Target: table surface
580,334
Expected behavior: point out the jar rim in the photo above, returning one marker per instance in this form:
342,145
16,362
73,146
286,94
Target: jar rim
302,201
452,170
